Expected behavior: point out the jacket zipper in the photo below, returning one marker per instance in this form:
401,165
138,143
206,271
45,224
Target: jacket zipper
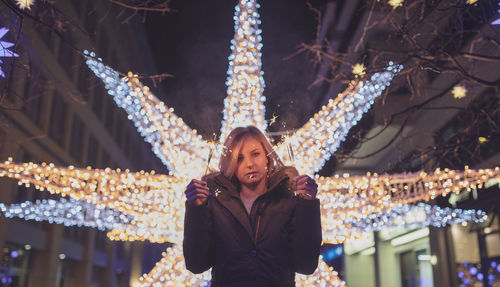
258,223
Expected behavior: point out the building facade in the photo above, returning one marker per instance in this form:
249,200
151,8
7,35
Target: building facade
54,110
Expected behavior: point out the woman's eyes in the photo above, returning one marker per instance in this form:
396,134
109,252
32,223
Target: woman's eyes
254,154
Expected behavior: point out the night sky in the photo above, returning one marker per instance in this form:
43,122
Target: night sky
193,44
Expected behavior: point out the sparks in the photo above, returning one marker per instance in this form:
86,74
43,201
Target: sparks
273,119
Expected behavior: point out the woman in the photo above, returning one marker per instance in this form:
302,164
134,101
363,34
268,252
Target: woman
255,223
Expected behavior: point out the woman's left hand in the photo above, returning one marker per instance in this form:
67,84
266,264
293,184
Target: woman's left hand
306,187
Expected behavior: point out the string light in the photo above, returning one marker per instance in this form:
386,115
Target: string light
314,143
156,202
401,217
345,200
470,274
4,49
185,153
69,212
244,104
178,146
170,271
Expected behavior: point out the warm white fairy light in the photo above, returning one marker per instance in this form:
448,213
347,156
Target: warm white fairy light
244,104
140,194
351,199
170,271
314,143
157,201
179,147
323,276
156,227
69,212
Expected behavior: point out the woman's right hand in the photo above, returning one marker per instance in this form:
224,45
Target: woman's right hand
197,192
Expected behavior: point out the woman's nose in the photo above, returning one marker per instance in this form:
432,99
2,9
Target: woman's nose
249,163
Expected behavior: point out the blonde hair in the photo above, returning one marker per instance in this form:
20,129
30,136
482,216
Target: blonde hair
232,146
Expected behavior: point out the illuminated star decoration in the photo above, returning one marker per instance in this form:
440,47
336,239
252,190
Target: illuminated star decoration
459,92
359,70
395,3
482,140
155,202
4,49
25,4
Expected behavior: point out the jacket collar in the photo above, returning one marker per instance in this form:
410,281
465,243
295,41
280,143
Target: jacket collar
226,191
276,178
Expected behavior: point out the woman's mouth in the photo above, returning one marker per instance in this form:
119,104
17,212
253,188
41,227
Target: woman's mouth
252,174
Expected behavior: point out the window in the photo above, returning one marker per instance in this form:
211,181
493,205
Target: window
97,104
105,161
90,20
119,130
57,118
83,82
92,151
34,90
45,31
103,45
77,132
110,113
78,5
65,57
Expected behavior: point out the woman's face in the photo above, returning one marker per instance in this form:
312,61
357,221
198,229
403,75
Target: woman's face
252,162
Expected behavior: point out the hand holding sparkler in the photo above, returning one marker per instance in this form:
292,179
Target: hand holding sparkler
306,187
197,190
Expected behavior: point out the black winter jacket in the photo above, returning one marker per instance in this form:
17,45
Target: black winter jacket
280,236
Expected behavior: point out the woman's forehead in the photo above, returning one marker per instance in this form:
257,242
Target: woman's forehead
251,143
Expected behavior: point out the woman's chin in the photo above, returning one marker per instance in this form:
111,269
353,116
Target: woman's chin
255,180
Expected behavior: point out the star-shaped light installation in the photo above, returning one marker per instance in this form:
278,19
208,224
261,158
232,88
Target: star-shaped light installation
150,206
